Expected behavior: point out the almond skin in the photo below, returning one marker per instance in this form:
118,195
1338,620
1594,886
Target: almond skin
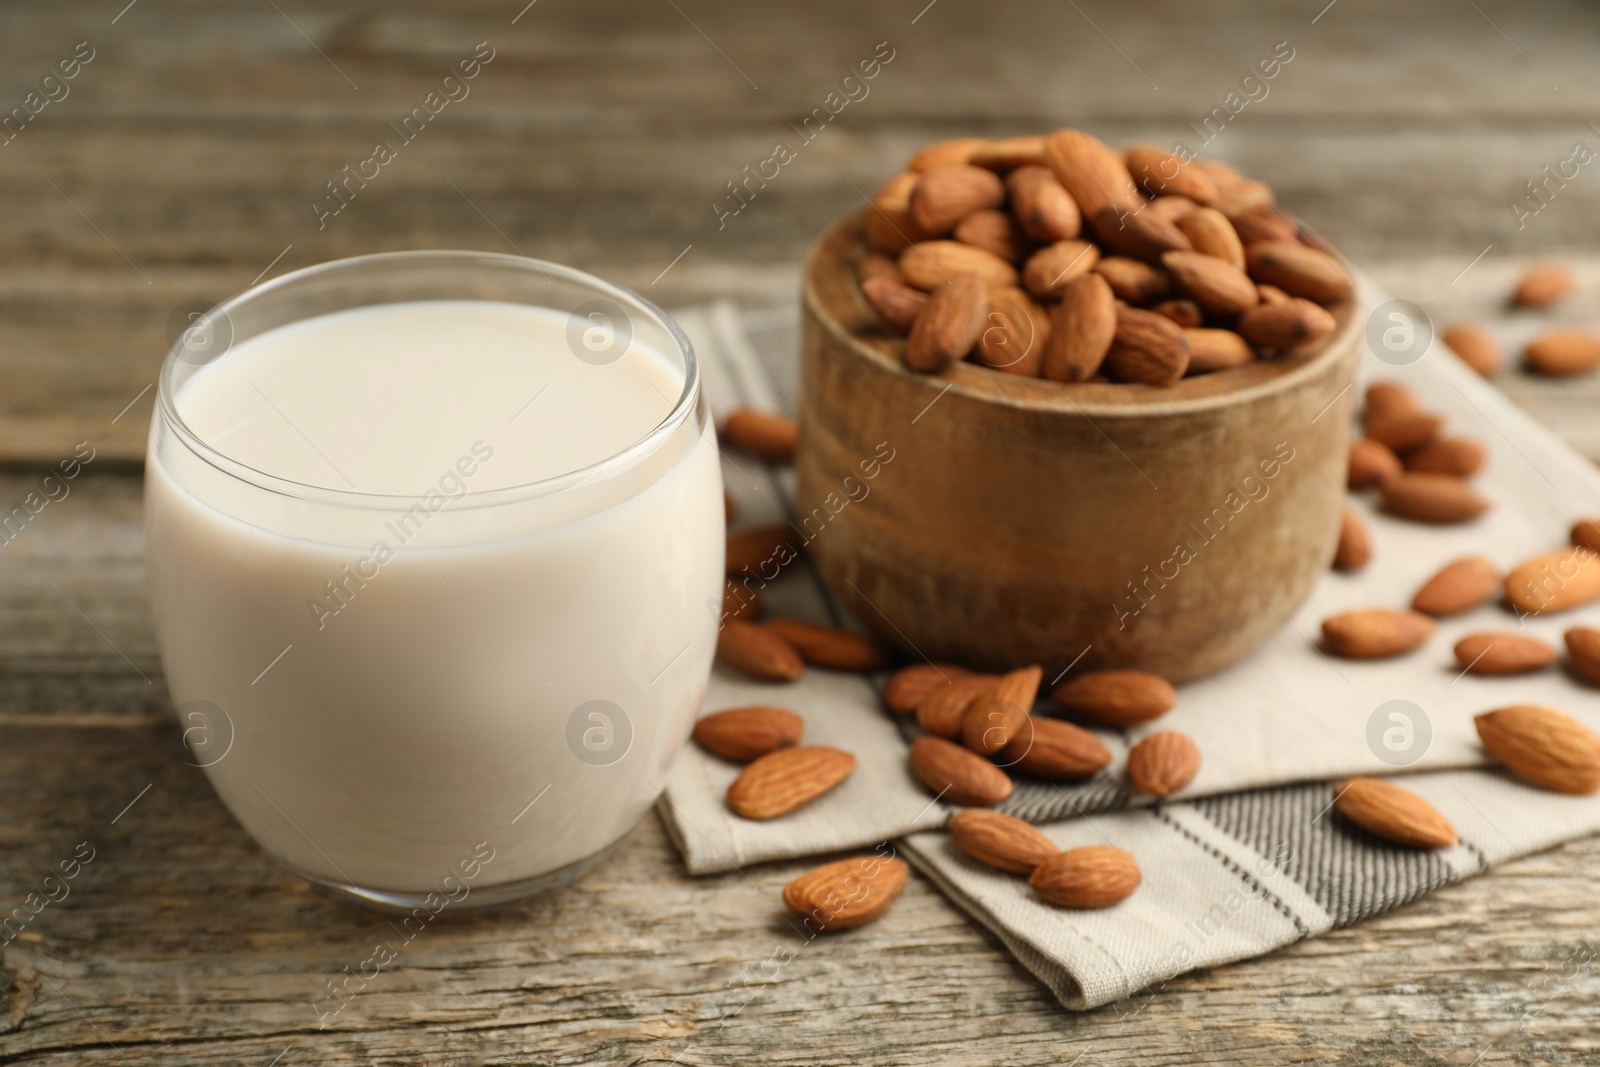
946,708
1583,648
931,265
1214,350
1091,171
946,153
846,893
1185,313
957,774
1213,235
1394,813
1117,697
1015,333
1388,397
1171,208
1503,653
786,779
1298,270
1543,285
1048,271
1216,285
994,231
1371,463
1459,587
1236,194
1403,431
1000,713
758,547
1437,498
1549,748
1160,173
1163,763
1095,876
1460,457
890,227
1055,751
950,193
908,687
1082,327
1141,234
1134,280
878,265
1556,581
744,734
1001,841
1258,227
1476,346
1010,153
758,652
948,327
1147,348
832,647
1586,533
1355,543
895,302
1375,633
1042,206
766,434
1290,324
1563,352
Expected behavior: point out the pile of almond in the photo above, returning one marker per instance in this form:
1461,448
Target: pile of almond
1553,353
1056,256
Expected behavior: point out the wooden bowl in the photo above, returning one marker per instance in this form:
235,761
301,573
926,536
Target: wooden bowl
996,521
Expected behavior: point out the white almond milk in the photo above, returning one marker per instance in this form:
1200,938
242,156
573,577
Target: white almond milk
442,654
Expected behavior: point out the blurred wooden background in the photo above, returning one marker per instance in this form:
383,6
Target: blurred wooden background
183,163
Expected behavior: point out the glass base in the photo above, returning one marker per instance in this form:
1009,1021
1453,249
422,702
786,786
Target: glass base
480,899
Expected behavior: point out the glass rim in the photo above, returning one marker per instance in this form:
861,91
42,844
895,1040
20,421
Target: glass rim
652,439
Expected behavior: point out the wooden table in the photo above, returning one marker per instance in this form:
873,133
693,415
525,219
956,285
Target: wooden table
184,163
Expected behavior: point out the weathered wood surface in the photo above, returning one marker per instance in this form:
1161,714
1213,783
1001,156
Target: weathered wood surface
601,135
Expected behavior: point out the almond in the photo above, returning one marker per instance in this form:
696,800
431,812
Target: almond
1213,235
739,602
1015,332
766,434
1042,206
846,893
1134,280
1092,172
948,194
1000,713
1298,270
1549,748
929,265
1117,697
743,734
1586,532
1458,456
1556,581
1583,648
1355,543
946,153
758,652
1432,498
831,646
1081,329
1563,352
1214,350
878,265
1236,194
1047,271
1459,587
1394,813
1260,227
1387,397
760,548
1095,876
945,709
1544,285
908,687
957,774
1286,325
1010,153
1160,173
1476,346
783,780
1001,841
1371,463
1055,751
1375,633
1271,294
1163,763
948,327
1138,233
1147,348
1185,313
1403,431
890,227
1216,285
1503,653
896,303
994,231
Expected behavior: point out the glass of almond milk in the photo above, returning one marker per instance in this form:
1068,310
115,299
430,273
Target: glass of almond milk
435,546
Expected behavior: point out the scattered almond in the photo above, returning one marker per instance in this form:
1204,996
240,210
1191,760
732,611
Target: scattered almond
1355,543
957,774
1055,751
1556,581
785,779
1549,748
946,708
1117,697
1163,763
1394,813
760,548
1563,352
758,652
948,327
908,687
739,602
1371,463
1461,457
766,434
1476,346
1459,587
1387,397
1001,841
1583,648
1544,285
743,734
1503,653
846,893
1095,876
1586,532
1375,633
1403,430
1437,498
1000,713
832,647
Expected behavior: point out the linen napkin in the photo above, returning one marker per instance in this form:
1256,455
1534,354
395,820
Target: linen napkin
1290,714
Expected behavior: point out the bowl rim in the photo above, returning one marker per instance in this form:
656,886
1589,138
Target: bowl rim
836,249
